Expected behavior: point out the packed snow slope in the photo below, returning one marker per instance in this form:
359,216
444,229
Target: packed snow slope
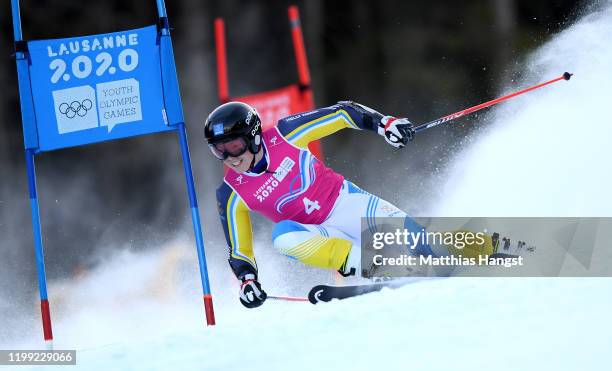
545,153
458,324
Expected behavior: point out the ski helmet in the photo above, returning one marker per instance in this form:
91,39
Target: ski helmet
232,129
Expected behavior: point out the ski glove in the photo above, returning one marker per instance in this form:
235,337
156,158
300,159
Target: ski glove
251,293
397,131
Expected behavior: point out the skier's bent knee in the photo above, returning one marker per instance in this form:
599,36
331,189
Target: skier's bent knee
288,233
298,242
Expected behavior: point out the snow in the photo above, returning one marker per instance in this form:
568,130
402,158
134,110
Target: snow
459,324
548,152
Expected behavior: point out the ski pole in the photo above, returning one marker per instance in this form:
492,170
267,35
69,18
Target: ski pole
453,116
287,298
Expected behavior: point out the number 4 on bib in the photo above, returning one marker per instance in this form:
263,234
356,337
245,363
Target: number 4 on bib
310,205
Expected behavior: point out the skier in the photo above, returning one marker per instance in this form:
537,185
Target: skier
317,212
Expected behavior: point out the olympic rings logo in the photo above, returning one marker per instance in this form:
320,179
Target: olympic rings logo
75,108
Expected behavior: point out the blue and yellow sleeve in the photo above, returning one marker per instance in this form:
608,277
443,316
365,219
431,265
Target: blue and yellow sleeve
303,128
236,223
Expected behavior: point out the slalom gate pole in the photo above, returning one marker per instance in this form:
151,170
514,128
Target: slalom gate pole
221,54
287,298
21,59
453,116
38,249
301,63
298,47
193,201
197,227
161,9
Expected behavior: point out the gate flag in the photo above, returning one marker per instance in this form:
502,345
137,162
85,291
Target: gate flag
276,104
89,89
97,88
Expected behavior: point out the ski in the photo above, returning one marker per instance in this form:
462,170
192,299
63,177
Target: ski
325,293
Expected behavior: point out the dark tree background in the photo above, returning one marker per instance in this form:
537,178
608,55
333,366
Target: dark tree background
417,59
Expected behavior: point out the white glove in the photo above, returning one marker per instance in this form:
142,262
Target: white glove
397,131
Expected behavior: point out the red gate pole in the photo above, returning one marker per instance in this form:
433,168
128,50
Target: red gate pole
300,51
222,82
303,70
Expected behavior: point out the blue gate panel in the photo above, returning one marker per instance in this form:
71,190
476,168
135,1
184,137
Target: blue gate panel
96,88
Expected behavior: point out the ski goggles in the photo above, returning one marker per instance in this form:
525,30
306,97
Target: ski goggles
233,148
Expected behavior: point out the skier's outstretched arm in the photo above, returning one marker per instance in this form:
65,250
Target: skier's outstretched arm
303,128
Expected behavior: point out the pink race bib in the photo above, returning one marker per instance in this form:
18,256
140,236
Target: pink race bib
296,187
